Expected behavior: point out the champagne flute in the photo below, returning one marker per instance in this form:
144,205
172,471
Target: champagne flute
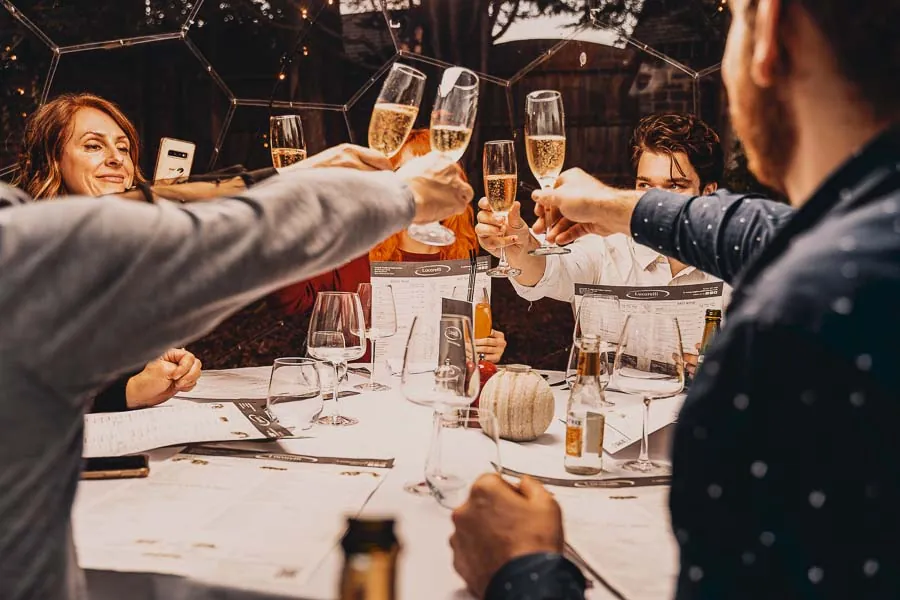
286,141
452,120
500,181
439,371
380,314
545,146
337,334
649,362
396,109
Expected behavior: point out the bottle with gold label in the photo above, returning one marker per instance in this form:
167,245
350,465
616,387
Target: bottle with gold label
370,560
710,331
585,418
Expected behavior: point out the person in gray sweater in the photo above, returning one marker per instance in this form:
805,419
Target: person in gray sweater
92,289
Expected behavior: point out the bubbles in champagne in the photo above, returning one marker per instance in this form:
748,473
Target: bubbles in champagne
450,140
285,157
546,155
501,191
389,127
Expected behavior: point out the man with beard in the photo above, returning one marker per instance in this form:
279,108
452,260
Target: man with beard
785,479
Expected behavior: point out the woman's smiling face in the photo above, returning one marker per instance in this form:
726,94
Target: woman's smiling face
96,159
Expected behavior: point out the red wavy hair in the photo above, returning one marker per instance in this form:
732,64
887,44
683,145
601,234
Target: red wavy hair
419,144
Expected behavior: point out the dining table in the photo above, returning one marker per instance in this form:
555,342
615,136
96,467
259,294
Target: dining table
618,535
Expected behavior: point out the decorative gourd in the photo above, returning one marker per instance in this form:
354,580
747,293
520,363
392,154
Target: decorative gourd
522,402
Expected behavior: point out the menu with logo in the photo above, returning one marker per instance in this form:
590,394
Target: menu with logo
419,288
688,303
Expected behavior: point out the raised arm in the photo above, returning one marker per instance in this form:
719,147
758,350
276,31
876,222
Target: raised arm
94,287
719,234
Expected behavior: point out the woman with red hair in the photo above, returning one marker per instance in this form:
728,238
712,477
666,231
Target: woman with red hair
400,247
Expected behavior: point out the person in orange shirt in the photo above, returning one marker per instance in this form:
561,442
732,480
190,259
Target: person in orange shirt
300,297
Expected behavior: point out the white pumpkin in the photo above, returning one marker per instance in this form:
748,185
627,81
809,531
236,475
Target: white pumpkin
522,402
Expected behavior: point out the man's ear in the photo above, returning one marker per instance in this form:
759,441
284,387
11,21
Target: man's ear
710,188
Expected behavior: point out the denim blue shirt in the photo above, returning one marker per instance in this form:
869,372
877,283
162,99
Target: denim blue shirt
786,467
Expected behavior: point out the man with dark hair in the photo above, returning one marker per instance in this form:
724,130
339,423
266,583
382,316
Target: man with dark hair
785,480
670,151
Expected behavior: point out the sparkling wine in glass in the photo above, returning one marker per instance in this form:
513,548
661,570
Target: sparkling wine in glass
650,363
337,335
396,109
439,371
545,147
380,313
452,121
286,141
500,181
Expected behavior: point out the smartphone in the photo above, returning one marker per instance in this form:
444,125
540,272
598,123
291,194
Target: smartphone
116,467
174,160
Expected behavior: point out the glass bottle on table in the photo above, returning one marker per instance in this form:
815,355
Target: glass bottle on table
452,121
380,314
370,549
337,335
396,109
585,417
286,141
500,181
710,331
545,147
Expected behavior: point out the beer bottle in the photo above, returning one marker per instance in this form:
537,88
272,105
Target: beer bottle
710,330
585,420
370,560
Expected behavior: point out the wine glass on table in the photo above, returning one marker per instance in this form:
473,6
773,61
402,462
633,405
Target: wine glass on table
598,316
439,371
452,120
337,335
500,181
286,141
294,399
650,363
396,109
545,147
380,314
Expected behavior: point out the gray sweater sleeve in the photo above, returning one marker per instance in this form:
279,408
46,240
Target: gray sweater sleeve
91,287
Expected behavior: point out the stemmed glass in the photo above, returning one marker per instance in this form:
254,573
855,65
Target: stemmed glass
500,181
545,146
286,141
598,316
396,109
439,371
380,314
452,120
649,362
294,398
337,335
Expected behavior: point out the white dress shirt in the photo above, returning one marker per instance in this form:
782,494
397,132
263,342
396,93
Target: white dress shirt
613,260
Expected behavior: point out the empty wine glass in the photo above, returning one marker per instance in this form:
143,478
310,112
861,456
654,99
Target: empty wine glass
380,314
650,363
337,335
464,447
396,109
452,120
500,181
286,141
294,398
439,370
545,147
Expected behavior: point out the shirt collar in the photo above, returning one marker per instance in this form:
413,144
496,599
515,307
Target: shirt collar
645,256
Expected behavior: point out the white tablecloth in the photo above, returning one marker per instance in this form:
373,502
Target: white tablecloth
389,426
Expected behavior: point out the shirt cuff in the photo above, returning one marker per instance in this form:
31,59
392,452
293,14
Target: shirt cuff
539,290
112,399
538,577
652,221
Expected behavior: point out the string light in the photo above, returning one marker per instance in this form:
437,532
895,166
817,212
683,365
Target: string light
303,12
305,51
281,76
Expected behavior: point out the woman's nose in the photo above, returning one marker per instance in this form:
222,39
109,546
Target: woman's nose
115,157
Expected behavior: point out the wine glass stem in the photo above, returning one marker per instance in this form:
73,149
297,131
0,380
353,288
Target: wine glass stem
644,457
548,225
374,362
503,263
433,464
336,392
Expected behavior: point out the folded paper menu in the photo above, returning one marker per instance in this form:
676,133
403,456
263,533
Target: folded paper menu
118,434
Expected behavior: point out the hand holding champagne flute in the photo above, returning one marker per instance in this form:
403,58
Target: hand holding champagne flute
500,181
545,146
396,109
452,120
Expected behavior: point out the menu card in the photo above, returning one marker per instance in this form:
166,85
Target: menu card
419,288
